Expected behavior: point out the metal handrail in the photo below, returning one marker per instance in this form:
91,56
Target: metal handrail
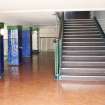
58,46
60,16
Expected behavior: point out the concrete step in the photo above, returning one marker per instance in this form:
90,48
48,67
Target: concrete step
82,58
83,78
81,29
83,64
82,36
86,34
81,32
93,25
76,24
70,71
84,52
84,74
83,47
83,43
79,22
83,40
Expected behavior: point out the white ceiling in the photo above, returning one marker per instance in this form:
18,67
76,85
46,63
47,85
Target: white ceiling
8,5
41,11
32,18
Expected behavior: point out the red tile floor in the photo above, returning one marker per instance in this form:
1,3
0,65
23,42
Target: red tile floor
33,84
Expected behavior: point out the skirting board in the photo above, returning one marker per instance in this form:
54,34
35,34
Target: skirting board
35,51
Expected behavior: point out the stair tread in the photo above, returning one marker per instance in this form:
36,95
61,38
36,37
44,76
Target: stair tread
74,24
96,33
82,78
83,38
83,46
81,29
82,34
83,51
83,61
81,68
84,41
77,19
84,74
79,22
82,56
84,67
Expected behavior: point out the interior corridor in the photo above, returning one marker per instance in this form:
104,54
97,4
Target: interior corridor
33,84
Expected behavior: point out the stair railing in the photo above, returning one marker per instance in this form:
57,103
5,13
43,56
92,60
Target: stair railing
58,45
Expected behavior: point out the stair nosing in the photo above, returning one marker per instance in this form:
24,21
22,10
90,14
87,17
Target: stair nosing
83,42
83,35
84,51
83,61
81,76
89,29
83,38
82,26
65,24
82,56
82,46
81,68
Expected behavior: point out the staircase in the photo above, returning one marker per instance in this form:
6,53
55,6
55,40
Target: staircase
83,51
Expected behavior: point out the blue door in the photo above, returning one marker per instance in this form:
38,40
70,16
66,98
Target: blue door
26,43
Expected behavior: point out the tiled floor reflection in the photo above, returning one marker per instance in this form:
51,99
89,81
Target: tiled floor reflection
33,84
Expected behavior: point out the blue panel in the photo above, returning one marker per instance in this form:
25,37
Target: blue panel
13,47
1,55
26,43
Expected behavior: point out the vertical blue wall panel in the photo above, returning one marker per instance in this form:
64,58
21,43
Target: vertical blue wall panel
26,43
1,55
13,47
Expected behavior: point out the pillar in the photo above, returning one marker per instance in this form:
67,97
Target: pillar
14,45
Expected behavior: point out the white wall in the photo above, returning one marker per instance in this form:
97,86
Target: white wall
100,15
47,35
4,32
48,31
